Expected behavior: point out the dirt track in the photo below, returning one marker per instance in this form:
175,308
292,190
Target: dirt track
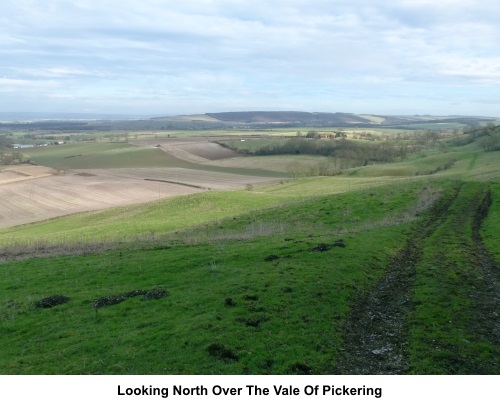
376,332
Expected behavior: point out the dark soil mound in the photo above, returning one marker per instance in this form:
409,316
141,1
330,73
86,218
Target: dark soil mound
155,293
219,351
52,301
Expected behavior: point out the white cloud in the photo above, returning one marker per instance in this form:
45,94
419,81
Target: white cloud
475,70
53,72
219,52
14,85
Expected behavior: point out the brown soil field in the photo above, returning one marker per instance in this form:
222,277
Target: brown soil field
11,174
33,193
192,149
42,198
199,152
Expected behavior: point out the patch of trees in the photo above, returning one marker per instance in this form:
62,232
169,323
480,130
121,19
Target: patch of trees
6,141
316,135
9,156
12,157
351,152
362,154
490,137
491,143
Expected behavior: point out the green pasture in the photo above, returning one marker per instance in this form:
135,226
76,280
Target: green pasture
438,126
263,280
101,155
250,145
240,301
283,317
270,315
470,162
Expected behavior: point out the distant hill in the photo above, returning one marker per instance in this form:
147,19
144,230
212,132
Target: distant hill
290,117
235,119
323,119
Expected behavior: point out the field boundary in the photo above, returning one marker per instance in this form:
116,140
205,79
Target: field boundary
179,183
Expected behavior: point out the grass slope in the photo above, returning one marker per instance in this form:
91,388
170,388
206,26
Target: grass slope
145,221
264,299
140,220
272,281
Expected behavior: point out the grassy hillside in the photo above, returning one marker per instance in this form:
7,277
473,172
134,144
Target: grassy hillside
139,220
370,272
255,297
152,220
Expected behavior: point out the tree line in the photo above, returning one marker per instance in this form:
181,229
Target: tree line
489,137
352,152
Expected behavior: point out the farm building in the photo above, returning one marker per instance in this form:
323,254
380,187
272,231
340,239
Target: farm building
19,146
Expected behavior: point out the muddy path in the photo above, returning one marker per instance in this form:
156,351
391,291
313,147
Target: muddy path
486,295
376,332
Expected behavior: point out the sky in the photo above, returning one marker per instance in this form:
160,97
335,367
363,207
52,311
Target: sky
169,57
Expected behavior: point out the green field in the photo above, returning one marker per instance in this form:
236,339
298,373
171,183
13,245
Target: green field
383,269
102,155
111,155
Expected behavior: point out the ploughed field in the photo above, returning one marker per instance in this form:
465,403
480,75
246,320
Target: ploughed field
97,176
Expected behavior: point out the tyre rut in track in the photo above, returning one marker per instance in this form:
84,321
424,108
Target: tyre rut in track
486,296
375,331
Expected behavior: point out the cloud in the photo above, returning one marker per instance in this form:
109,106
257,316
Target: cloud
53,72
13,85
234,53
